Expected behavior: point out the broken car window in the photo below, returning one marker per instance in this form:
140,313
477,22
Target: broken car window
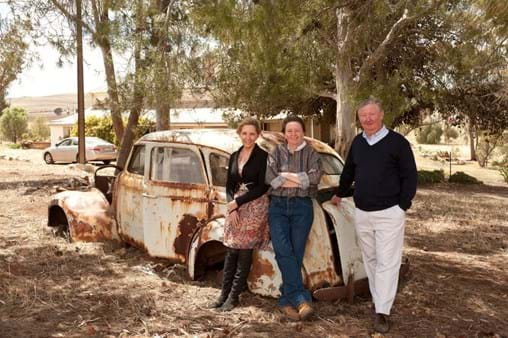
137,162
219,166
176,165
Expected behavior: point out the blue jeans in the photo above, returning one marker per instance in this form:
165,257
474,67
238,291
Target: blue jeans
290,221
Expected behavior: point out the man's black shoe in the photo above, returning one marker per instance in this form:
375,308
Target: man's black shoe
381,323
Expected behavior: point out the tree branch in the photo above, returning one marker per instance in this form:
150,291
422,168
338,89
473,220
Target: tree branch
327,94
70,16
380,51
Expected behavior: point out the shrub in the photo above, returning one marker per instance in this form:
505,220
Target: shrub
15,146
429,134
463,178
102,127
450,133
504,173
39,129
13,123
430,177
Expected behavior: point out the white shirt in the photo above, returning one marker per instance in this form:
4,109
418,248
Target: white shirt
376,137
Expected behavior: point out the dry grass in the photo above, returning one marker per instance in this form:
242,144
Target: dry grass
456,241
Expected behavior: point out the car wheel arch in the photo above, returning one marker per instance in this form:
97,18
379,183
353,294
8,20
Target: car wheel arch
206,247
59,221
50,160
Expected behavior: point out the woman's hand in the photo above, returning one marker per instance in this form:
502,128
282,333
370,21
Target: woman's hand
232,206
234,218
292,180
293,177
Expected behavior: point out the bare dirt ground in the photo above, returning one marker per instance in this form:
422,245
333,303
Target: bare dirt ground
456,240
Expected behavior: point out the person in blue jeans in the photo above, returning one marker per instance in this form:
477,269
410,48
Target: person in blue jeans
293,172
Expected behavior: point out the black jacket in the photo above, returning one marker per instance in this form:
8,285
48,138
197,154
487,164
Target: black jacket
253,176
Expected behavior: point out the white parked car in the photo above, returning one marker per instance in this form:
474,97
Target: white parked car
67,151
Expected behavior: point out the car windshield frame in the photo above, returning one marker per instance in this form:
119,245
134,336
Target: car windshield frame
332,161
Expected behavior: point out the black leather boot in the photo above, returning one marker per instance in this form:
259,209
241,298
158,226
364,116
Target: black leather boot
240,280
230,262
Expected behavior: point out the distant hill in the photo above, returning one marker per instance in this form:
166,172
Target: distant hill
45,104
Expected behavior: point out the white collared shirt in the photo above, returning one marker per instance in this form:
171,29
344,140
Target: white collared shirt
376,137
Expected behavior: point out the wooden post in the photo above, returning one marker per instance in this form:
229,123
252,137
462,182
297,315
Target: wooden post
81,91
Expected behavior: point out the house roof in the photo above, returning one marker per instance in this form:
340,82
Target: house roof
178,116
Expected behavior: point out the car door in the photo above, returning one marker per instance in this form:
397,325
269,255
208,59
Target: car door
175,200
129,197
61,152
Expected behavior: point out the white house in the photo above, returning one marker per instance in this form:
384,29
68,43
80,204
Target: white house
179,118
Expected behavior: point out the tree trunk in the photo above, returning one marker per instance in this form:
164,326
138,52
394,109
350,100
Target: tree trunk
137,101
472,146
344,82
163,98
161,40
101,37
114,101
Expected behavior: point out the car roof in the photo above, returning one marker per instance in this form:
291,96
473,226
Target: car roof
225,139
87,138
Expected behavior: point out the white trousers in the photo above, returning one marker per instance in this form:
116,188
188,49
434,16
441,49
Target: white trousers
381,238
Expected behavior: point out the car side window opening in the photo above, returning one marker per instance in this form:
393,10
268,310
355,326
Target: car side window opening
137,162
65,143
176,165
219,166
75,142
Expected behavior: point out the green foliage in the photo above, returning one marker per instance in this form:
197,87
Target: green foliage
15,146
430,134
102,127
504,172
463,178
13,123
430,177
12,54
39,130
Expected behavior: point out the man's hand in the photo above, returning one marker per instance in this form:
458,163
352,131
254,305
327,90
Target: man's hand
336,200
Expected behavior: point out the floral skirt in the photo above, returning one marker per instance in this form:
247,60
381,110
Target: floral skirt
252,231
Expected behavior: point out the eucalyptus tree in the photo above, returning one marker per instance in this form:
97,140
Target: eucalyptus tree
143,36
473,71
277,55
13,53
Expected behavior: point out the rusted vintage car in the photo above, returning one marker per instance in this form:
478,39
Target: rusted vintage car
170,200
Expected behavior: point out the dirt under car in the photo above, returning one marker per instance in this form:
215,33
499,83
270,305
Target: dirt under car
170,201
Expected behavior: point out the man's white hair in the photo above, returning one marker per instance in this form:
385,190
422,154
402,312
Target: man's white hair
371,100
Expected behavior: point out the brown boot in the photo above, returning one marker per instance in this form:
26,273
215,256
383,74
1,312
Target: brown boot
290,312
305,310
381,323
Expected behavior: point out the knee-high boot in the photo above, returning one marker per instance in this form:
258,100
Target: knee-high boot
240,280
229,271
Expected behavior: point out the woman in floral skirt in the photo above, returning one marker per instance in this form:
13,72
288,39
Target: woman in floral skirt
246,224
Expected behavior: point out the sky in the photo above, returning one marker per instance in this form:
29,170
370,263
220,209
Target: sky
44,77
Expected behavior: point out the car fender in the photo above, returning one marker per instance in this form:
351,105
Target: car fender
88,215
343,219
213,231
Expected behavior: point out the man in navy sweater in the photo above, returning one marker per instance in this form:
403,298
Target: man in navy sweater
381,163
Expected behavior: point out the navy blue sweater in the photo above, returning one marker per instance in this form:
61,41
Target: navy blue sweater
384,173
